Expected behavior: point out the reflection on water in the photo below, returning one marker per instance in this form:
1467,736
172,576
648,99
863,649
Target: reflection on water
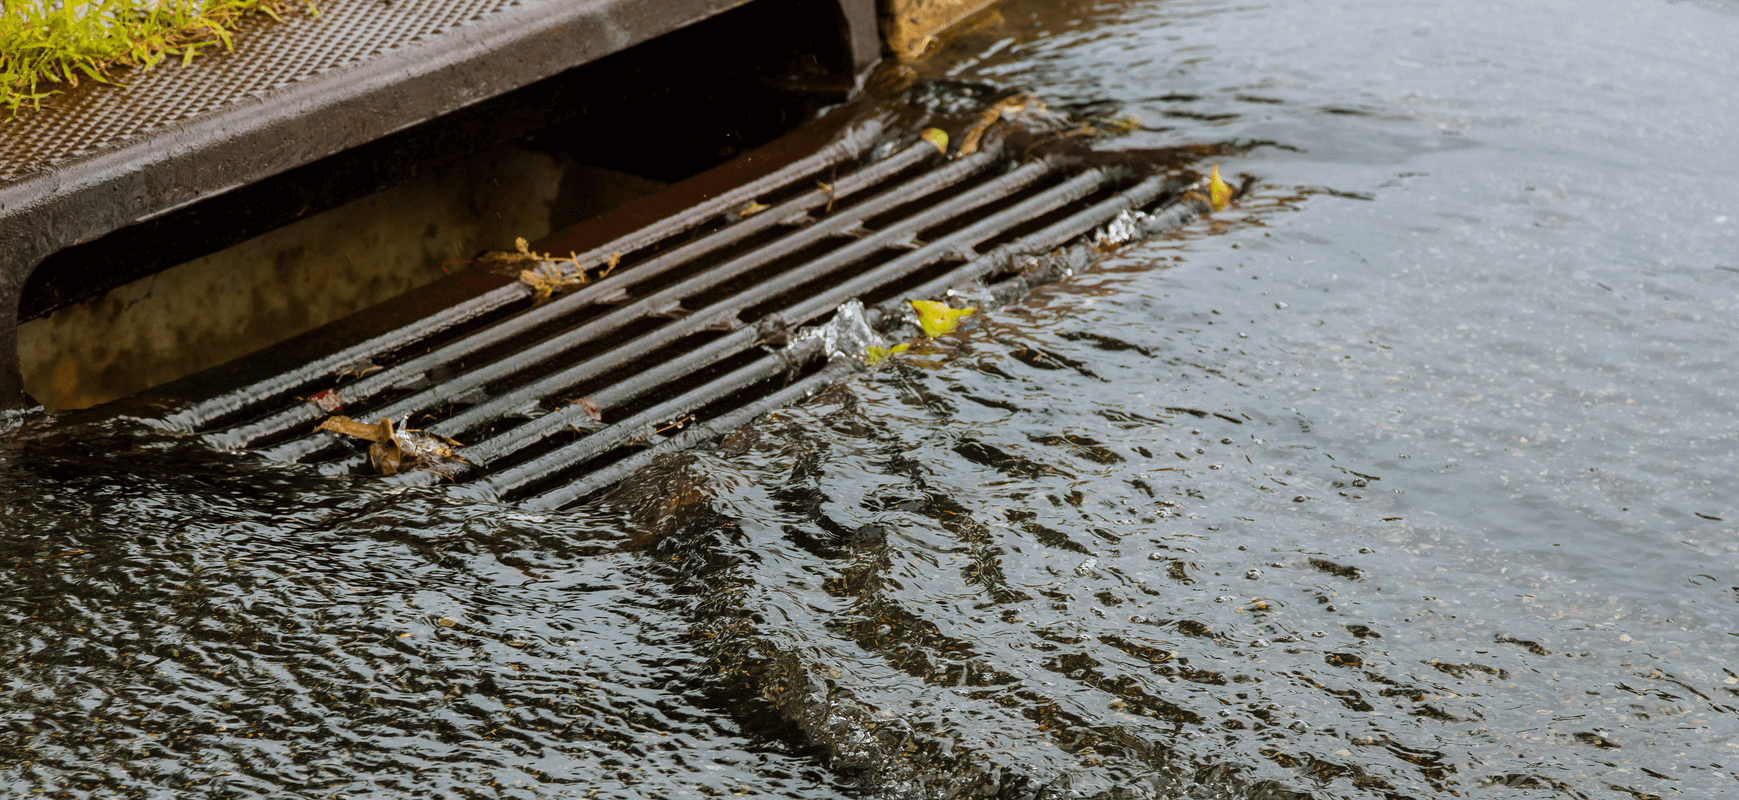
1410,475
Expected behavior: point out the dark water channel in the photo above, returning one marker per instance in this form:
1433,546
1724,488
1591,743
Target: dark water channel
1410,476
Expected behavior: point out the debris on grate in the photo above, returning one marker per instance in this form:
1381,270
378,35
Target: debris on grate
561,383
847,333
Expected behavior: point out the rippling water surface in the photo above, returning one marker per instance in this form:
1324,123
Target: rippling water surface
1411,474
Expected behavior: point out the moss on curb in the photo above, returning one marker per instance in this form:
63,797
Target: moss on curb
49,45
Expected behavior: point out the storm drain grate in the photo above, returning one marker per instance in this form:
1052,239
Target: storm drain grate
694,332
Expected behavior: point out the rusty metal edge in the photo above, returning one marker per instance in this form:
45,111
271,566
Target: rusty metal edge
302,123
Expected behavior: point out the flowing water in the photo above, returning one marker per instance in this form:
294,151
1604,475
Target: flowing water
1409,476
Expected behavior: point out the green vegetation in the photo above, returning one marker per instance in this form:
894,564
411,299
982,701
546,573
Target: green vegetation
47,45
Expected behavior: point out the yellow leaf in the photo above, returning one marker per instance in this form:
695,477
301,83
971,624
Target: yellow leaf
936,137
876,355
1218,191
938,319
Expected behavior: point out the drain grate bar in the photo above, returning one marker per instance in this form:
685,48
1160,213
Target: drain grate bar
643,424
1060,233
850,147
835,371
958,246
574,416
606,399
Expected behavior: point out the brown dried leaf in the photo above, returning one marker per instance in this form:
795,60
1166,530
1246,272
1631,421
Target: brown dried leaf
394,451
386,454
522,254
1004,107
546,278
360,430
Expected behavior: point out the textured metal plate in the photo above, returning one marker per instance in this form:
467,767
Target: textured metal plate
268,56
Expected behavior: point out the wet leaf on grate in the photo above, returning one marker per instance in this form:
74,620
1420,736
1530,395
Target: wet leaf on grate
359,430
393,451
936,137
521,254
938,319
386,454
546,278
543,272
876,355
1006,107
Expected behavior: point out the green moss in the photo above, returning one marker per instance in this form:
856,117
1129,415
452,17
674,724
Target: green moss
49,45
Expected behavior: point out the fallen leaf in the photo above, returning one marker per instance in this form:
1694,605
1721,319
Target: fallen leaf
386,453
392,451
546,278
937,138
360,430
989,117
751,208
938,319
876,355
1218,192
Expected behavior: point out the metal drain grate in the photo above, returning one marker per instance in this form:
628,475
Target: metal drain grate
695,323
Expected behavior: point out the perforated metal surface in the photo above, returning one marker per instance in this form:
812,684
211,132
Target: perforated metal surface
269,55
